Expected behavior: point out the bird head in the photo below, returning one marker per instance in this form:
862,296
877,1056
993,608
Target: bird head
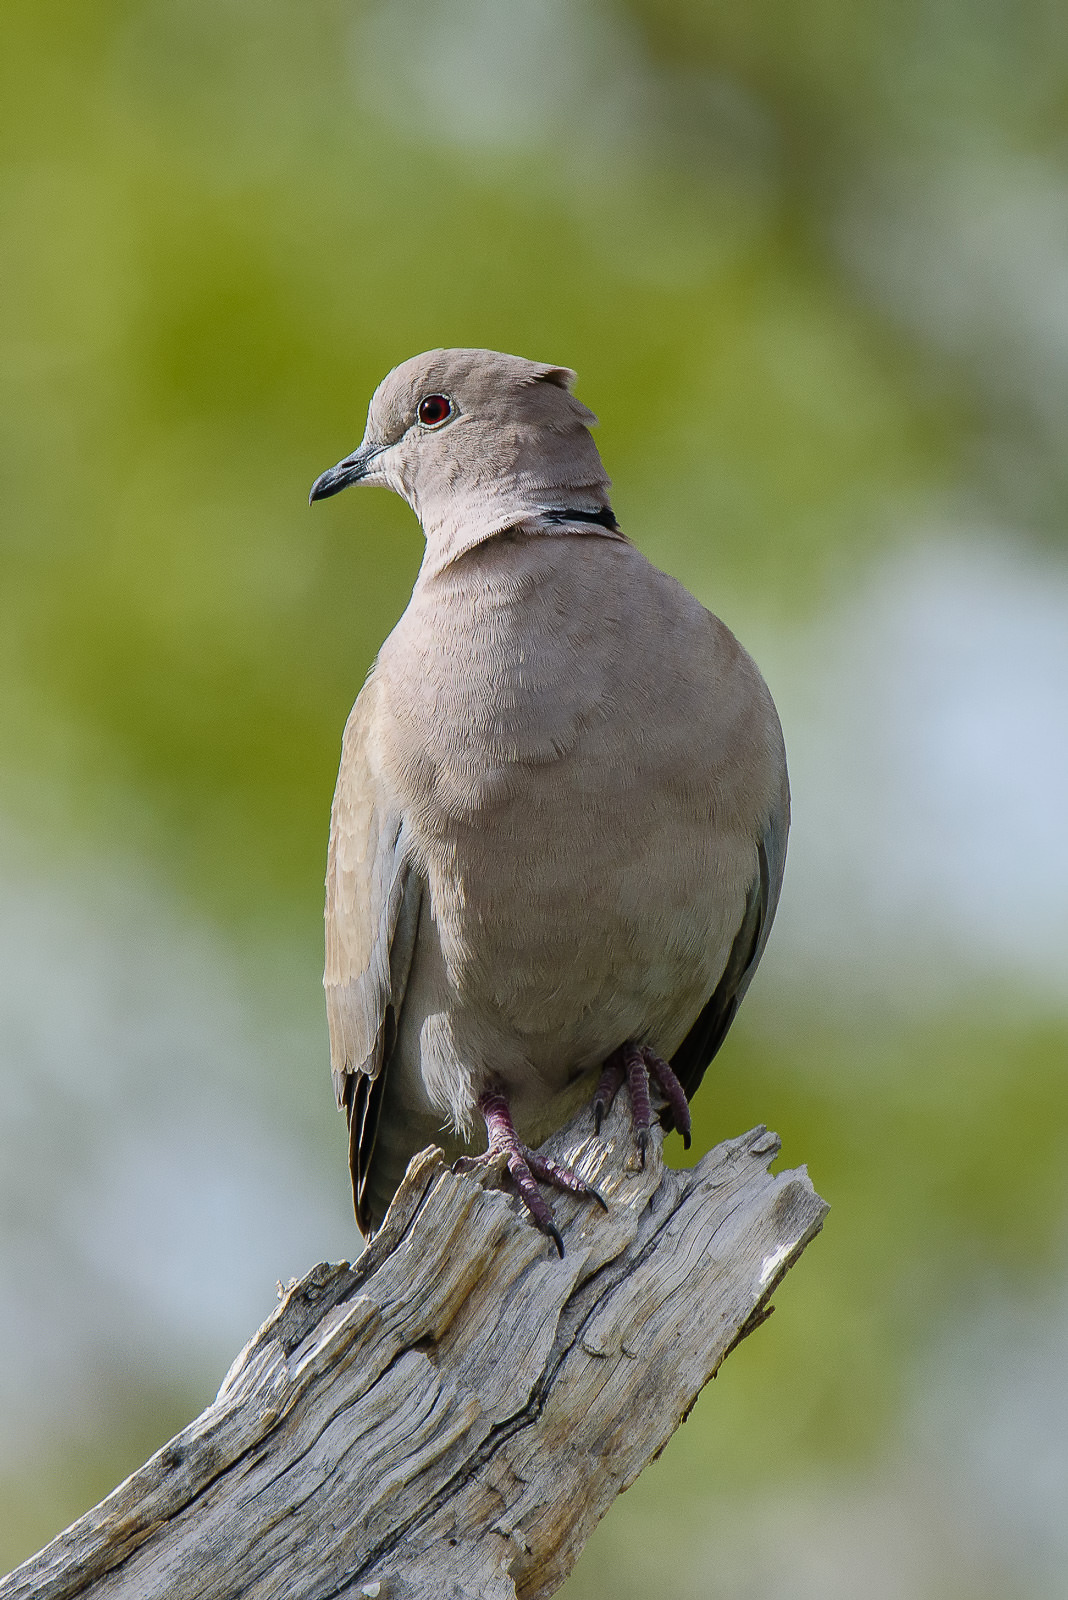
476,442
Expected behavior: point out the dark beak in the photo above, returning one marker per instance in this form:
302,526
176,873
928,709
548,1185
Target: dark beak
351,470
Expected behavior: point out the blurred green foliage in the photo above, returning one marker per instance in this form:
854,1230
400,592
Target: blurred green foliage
212,253
215,239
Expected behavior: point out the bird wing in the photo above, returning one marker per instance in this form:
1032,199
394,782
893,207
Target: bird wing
373,900
709,1031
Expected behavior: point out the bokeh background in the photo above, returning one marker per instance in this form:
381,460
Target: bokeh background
811,263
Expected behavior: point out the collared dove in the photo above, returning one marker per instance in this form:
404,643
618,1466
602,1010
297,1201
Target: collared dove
559,828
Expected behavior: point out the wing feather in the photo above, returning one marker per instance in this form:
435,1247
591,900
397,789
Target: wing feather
373,900
701,1044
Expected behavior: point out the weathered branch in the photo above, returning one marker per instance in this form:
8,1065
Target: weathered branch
452,1414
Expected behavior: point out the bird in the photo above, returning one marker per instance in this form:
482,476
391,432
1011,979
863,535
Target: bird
559,830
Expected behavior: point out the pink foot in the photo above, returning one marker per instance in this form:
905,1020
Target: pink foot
633,1064
526,1168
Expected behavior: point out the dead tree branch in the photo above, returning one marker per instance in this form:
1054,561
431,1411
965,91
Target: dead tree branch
452,1414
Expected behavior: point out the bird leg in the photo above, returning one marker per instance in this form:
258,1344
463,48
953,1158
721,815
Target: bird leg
526,1168
633,1064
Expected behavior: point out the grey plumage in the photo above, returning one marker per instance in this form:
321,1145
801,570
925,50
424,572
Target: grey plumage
561,813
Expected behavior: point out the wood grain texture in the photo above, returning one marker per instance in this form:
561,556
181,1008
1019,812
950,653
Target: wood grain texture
451,1415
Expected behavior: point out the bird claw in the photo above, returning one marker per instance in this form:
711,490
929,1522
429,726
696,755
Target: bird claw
525,1168
672,1090
635,1065
642,1141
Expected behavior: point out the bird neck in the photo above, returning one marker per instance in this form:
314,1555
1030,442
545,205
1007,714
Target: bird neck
468,522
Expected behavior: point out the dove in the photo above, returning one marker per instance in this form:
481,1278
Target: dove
559,829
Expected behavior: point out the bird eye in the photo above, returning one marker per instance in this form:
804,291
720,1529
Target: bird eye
434,410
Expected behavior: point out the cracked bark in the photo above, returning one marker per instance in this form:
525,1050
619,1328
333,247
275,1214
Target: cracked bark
451,1415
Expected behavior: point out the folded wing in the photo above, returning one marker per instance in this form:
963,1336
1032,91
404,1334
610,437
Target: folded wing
709,1031
373,899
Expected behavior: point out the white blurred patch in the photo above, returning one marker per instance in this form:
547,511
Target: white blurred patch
151,1192
971,253
990,1421
498,75
927,729
571,84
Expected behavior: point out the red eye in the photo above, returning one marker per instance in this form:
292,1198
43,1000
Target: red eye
434,410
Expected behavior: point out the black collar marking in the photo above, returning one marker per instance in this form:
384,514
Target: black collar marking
606,517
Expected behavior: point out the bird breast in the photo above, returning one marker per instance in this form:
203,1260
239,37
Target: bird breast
567,757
